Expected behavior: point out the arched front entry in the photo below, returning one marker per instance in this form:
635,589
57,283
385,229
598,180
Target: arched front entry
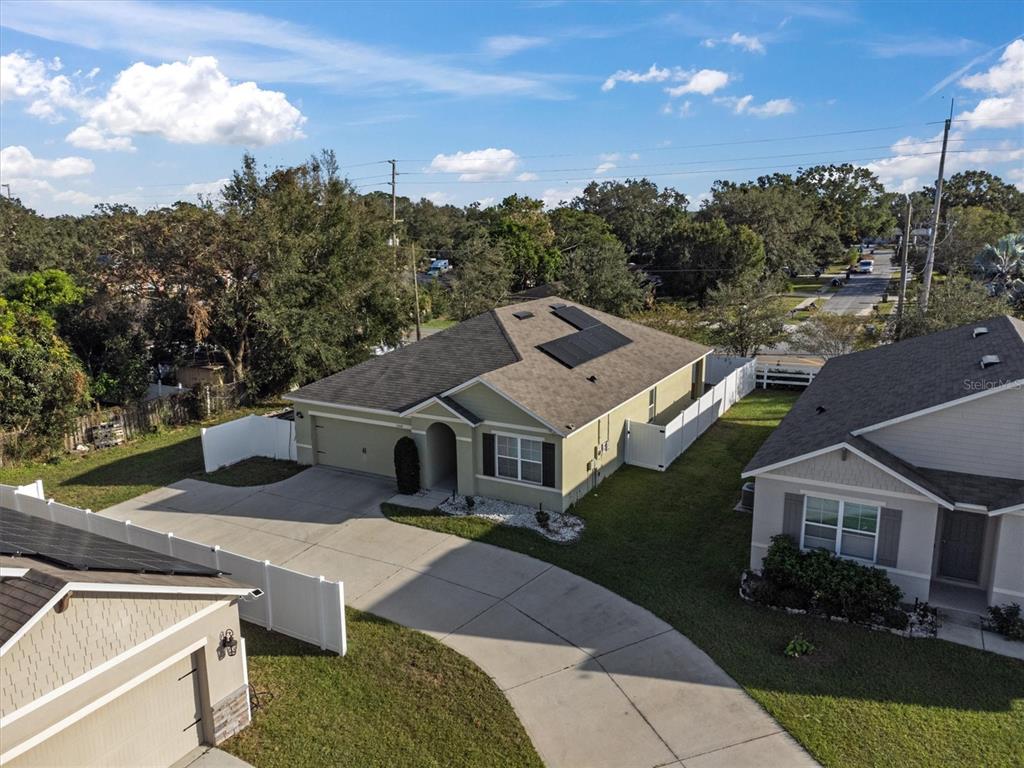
441,462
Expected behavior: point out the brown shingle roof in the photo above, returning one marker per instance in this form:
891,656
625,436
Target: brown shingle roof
22,598
564,397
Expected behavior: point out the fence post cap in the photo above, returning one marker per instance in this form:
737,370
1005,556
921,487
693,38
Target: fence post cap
89,511
170,534
215,547
322,578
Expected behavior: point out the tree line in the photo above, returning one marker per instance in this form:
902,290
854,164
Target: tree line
290,273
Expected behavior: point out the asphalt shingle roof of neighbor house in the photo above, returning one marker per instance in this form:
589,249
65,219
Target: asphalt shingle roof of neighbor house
862,389
502,351
398,380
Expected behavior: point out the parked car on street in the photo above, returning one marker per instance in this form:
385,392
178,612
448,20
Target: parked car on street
866,266
438,267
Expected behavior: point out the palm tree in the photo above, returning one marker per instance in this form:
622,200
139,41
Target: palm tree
1002,266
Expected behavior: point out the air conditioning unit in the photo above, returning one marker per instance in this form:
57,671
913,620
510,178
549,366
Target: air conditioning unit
747,497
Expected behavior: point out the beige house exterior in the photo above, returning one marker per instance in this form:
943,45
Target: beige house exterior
103,668
925,480
492,413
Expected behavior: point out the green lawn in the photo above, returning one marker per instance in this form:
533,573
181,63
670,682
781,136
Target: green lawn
670,542
440,323
104,477
399,698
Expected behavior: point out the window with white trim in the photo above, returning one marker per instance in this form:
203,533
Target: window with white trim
519,458
845,528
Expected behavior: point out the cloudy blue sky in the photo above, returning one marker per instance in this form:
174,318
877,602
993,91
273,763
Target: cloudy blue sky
148,103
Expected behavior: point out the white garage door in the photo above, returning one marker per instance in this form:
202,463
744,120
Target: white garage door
153,724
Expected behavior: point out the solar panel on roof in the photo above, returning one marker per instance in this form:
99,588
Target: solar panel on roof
522,314
575,317
22,534
583,346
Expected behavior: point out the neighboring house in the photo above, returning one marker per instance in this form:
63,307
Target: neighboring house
112,655
909,457
528,402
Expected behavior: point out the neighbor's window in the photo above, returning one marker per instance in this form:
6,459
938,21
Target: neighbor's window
843,527
652,405
519,458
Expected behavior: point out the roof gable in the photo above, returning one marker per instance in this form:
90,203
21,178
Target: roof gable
855,392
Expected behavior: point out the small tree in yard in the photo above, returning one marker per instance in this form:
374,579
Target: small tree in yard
747,316
828,335
407,465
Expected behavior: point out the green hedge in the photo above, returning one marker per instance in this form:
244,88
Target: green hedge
820,581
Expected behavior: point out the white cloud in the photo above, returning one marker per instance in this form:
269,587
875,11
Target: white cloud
486,202
527,176
88,137
76,197
19,161
746,42
652,75
256,47
552,198
634,156
604,168
508,45
704,82
744,105
1004,108
23,78
205,187
477,164
193,102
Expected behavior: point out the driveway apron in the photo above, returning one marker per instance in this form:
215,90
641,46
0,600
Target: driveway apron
596,680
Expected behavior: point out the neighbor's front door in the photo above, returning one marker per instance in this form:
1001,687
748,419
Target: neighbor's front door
963,536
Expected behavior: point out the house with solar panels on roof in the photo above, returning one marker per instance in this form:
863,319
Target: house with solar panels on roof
112,655
908,457
529,403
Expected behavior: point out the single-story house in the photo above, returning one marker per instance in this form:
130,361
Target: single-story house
909,457
528,402
112,655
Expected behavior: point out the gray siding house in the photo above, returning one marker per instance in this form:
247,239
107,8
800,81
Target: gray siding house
909,457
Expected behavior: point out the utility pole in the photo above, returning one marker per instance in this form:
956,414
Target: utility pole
8,188
395,221
929,262
415,290
903,269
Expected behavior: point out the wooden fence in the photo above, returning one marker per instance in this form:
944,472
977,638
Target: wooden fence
128,422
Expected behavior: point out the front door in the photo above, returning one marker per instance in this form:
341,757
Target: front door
963,536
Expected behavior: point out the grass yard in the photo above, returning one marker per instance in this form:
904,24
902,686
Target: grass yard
398,699
438,323
670,542
104,477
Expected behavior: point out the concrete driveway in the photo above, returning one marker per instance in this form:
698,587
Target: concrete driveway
595,679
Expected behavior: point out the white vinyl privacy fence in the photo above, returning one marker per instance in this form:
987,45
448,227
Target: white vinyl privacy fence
309,608
656,446
234,441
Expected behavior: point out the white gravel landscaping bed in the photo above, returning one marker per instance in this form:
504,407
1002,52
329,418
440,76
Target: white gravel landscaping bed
562,527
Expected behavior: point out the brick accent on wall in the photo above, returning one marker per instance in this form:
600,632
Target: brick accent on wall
231,714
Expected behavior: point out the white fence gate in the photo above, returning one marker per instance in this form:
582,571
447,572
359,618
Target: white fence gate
234,441
655,447
309,608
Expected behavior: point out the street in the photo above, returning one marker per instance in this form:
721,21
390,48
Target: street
862,292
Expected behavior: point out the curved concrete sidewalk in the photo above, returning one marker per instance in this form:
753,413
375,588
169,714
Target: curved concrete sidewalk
595,679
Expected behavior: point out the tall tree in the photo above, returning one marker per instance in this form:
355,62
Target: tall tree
483,278
593,268
695,256
984,189
955,301
519,225
850,198
783,214
636,210
968,230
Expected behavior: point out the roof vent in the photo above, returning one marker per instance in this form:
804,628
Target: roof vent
522,314
988,360
592,379
820,409
981,330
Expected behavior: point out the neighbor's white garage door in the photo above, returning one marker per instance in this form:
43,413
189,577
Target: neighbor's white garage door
153,724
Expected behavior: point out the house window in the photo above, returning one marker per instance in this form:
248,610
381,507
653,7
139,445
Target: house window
652,405
519,458
843,527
